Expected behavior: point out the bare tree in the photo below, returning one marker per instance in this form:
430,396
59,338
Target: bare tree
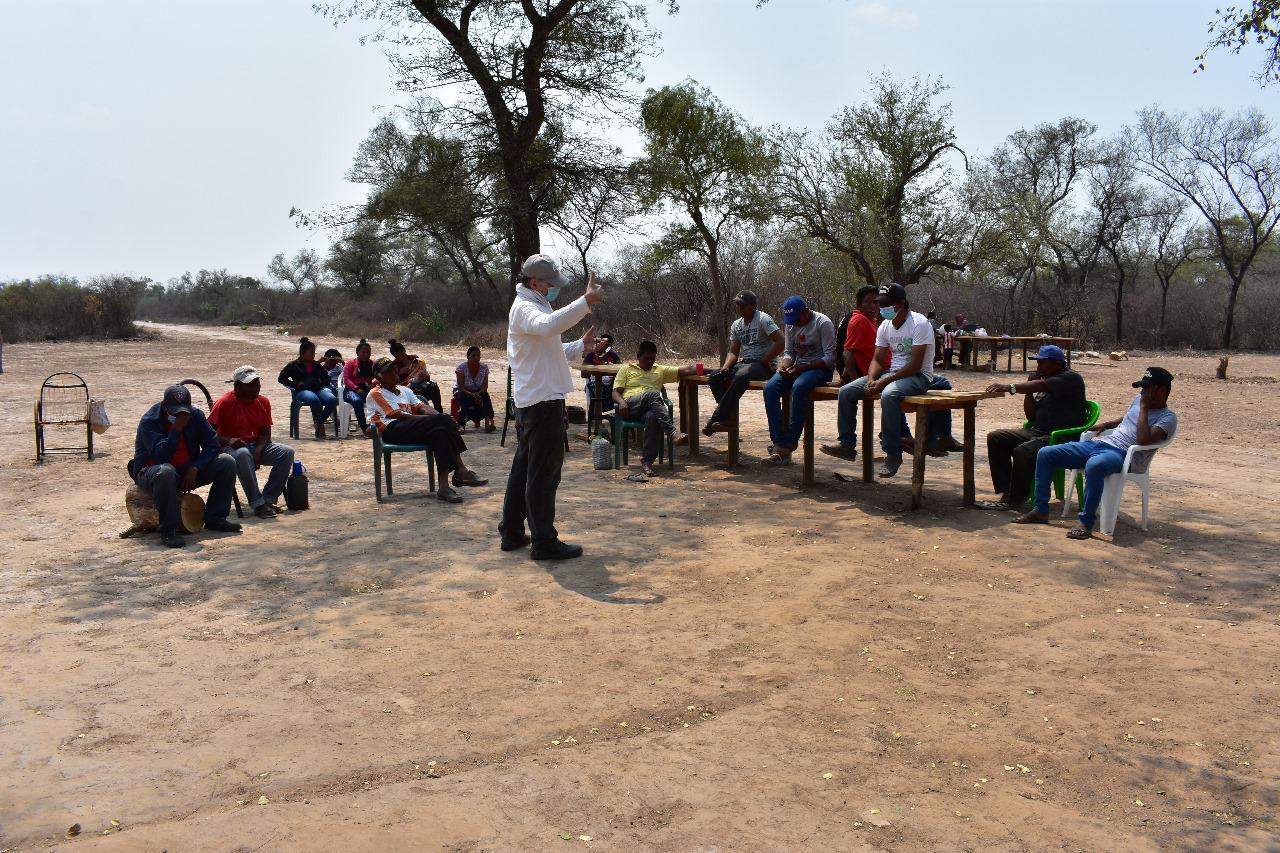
595,203
303,269
878,187
1173,246
1121,207
1228,168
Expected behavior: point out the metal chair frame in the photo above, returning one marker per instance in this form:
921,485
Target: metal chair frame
42,418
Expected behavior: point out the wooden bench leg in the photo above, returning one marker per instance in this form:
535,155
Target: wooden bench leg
691,400
918,457
732,456
806,478
970,421
868,439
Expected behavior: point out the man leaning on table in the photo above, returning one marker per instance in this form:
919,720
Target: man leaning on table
900,368
1053,398
1149,420
754,342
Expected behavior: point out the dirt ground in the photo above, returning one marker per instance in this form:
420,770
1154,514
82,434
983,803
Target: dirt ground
736,664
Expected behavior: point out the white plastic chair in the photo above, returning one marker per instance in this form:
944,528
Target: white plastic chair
1113,485
345,412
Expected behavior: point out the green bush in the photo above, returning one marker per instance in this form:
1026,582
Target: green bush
53,307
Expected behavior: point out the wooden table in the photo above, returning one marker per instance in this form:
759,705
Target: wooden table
922,405
976,342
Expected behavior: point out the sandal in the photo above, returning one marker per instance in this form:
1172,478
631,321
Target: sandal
1031,518
1080,532
449,496
999,506
776,458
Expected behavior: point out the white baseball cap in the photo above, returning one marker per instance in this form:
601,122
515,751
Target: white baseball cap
244,373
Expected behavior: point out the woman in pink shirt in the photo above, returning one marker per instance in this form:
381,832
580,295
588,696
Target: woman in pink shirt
472,392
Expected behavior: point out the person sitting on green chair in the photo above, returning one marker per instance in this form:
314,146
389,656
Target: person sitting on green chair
401,418
637,392
1053,399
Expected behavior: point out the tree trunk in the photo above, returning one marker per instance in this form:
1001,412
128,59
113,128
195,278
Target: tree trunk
719,298
1229,327
1120,307
1164,299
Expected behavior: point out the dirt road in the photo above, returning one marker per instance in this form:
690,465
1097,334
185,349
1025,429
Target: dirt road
736,664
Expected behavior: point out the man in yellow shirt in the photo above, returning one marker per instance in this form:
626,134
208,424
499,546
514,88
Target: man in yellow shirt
637,391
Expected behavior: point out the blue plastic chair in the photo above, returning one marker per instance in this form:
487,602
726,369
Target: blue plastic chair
382,459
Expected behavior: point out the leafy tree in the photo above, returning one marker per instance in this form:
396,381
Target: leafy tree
705,160
532,74
879,187
1236,27
1228,168
1173,246
355,259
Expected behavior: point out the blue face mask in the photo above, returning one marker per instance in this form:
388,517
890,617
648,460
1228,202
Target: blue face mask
552,293
887,312
173,419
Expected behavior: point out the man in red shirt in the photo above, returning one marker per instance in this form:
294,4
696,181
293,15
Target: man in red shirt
242,418
860,338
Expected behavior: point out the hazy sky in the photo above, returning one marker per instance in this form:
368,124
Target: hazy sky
156,136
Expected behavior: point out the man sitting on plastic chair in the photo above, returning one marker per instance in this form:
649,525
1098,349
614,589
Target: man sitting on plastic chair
1148,421
637,391
1053,399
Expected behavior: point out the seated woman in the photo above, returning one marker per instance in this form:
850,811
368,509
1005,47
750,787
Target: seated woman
357,381
472,392
412,371
308,380
401,418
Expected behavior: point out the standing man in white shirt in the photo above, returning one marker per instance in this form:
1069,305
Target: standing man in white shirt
540,381
900,368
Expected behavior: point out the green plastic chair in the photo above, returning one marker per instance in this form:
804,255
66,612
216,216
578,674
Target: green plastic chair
382,459
1059,436
621,435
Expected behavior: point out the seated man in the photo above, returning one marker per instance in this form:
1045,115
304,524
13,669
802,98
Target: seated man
175,451
808,360
1148,421
601,352
1053,398
637,393
754,342
899,368
242,418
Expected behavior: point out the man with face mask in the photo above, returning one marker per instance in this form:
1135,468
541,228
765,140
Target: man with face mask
540,380
176,451
900,368
242,419
1053,398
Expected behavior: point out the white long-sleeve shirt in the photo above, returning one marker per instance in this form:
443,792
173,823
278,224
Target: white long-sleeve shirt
539,360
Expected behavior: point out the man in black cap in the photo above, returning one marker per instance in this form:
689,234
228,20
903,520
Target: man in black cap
754,342
1053,398
176,451
1148,421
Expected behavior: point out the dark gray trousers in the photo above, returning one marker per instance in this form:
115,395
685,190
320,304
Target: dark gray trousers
1012,454
728,390
535,473
162,482
650,409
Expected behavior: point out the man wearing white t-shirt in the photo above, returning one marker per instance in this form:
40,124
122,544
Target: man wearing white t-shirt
900,368
540,381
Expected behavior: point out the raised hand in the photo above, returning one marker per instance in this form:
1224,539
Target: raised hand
595,291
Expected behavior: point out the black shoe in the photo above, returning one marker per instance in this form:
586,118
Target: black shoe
274,507
555,550
264,511
221,525
514,544
172,539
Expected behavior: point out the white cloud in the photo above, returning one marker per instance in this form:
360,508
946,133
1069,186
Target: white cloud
883,13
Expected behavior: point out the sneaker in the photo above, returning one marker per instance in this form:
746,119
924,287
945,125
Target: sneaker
555,550
840,451
777,457
172,539
889,467
221,525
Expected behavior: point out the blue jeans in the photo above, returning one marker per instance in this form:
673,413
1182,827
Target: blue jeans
323,403
800,388
940,421
891,417
278,456
356,400
1098,461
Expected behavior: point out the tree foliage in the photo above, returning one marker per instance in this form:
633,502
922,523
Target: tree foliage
1237,27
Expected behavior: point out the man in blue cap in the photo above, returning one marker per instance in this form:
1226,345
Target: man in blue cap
808,360
1053,398
175,451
